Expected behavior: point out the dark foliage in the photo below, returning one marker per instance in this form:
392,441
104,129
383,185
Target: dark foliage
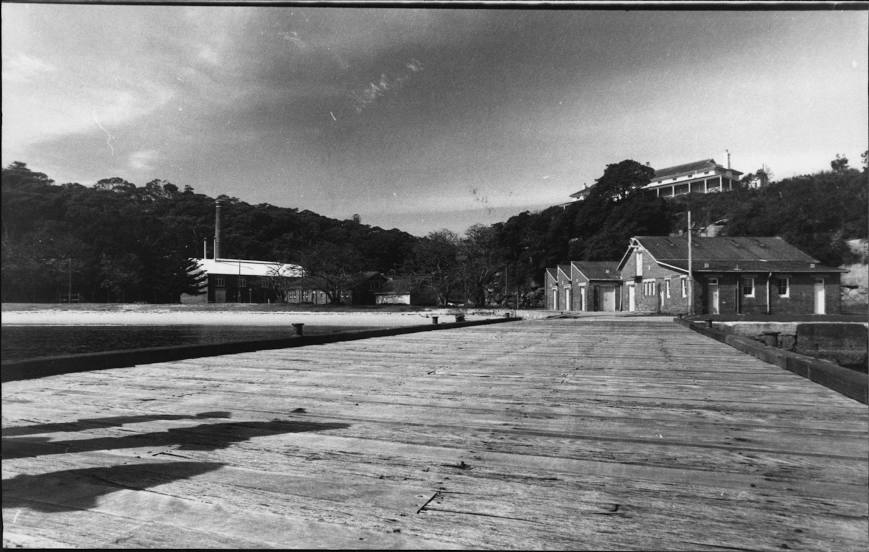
119,242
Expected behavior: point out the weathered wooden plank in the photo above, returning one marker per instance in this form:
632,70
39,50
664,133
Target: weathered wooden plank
517,436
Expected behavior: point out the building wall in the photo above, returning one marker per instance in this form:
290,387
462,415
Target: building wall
231,288
565,291
596,292
799,299
550,283
393,299
658,275
581,290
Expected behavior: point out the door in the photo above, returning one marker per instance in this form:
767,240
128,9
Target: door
582,299
632,298
712,288
660,298
220,295
554,298
820,297
567,297
609,299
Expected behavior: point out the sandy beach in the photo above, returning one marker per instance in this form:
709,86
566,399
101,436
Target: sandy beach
231,315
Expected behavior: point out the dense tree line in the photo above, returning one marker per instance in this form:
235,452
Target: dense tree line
115,241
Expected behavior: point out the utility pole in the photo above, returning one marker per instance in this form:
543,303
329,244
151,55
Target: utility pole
69,282
690,269
506,288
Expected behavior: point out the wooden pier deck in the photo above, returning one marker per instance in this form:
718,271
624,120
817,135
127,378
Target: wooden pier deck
592,433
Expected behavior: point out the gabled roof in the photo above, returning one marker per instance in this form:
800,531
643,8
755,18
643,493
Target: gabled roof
726,253
582,194
565,269
688,168
552,272
598,270
240,267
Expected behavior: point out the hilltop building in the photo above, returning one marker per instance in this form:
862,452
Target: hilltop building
704,177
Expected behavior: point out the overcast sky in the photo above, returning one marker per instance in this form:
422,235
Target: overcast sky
423,119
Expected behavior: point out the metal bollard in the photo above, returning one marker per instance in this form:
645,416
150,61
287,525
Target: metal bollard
299,328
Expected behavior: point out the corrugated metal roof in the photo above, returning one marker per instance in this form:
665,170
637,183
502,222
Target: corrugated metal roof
249,268
704,165
687,168
755,266
598,270
732,253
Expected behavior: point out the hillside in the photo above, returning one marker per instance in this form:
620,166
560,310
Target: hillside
117,241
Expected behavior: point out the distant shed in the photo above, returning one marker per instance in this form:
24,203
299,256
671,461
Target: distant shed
243,281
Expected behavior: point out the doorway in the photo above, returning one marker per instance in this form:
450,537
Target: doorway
820,297
632,298
713,294
609,299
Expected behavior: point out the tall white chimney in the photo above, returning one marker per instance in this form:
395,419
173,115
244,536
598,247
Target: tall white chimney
216,229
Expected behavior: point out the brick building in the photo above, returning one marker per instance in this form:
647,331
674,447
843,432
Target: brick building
731,275
584,286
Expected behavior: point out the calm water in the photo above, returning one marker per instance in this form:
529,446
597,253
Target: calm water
20,342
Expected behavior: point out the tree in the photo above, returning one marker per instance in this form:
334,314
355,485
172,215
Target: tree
839,164
115,184
435,264
331,268
620,181
480,262
17,174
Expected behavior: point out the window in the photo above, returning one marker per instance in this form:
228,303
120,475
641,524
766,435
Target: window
219,282
649,288
242,282
684,285
748,287
783,285
667,287
639,259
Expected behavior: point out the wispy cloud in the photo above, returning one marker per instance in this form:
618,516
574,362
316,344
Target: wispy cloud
23,68
143,160
387,83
